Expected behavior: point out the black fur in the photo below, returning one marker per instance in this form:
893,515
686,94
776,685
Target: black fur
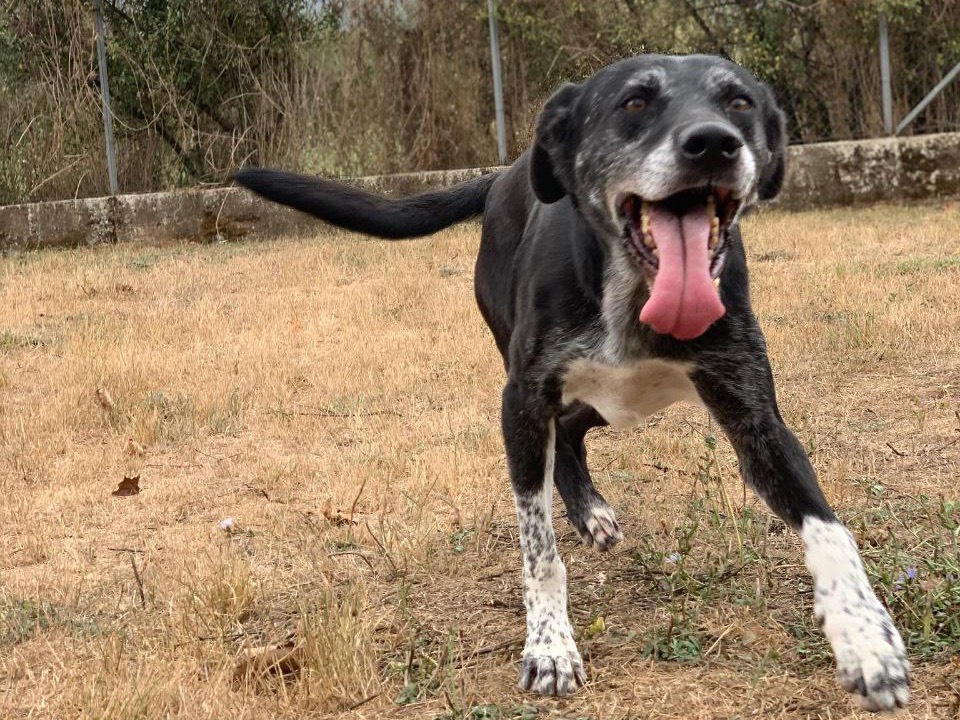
409,217
547,177
551,265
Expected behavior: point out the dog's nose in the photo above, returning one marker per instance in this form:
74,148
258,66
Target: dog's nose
710,143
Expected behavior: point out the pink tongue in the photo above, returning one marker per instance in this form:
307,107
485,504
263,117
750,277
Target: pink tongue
684,302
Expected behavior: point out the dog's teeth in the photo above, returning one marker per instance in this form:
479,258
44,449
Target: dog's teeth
656,251
714,231
714,221
648,240
716,283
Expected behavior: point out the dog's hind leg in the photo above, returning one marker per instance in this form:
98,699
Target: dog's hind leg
551,662
587,510
870,655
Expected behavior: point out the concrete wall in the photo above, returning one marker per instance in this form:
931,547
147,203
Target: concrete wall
852,172
823,175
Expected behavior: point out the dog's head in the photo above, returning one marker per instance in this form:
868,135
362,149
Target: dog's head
661,154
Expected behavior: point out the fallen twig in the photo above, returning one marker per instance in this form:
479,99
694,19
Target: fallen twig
895,451
136,575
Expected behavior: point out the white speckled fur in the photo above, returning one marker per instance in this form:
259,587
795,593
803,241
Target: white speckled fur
602,528
657,175
871,659
551,662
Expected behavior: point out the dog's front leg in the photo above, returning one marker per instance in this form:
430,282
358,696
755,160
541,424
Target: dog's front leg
588,511
551,662
870,655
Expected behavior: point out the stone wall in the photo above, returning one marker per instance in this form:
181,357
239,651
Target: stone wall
846,173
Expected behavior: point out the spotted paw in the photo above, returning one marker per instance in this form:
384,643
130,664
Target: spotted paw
871,659
598,526
547,674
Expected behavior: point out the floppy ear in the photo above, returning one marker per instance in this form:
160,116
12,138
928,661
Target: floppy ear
547,175
774,128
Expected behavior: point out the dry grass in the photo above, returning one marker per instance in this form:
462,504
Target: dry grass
337,398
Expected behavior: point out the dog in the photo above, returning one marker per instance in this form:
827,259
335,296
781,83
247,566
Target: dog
612,274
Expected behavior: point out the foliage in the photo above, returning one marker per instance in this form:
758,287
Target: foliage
361,86
913,556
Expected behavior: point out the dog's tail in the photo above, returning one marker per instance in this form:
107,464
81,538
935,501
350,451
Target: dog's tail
360,211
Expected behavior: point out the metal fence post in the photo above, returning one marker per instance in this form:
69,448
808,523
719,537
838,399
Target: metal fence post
105,97
887,95
929,98
497,82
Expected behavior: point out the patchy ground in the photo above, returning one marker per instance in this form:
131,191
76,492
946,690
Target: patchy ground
324,524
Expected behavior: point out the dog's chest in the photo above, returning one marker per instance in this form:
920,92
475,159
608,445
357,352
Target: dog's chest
626,394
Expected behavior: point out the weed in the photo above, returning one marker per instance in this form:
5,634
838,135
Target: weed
924,265
679,642
715,543
21,620
774,256
916,570
10,340
426,665
458,539
493,712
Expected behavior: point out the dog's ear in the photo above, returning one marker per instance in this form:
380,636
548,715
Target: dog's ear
547,173
775,131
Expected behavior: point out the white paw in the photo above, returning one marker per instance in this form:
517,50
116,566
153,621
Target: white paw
871,659
600,528
551,661
547,671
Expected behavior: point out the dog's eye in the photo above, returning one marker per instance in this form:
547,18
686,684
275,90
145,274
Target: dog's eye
635,104
740,104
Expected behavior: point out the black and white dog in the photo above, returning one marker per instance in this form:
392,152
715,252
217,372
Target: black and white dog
612,274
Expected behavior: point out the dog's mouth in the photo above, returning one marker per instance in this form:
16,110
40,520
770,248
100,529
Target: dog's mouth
680,242
718,203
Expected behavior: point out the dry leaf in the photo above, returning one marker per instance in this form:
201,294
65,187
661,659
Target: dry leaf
134,448
254,663
598,626
104,400
336,517
130,485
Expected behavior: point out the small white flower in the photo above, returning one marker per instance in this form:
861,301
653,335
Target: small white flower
674,558
226,524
